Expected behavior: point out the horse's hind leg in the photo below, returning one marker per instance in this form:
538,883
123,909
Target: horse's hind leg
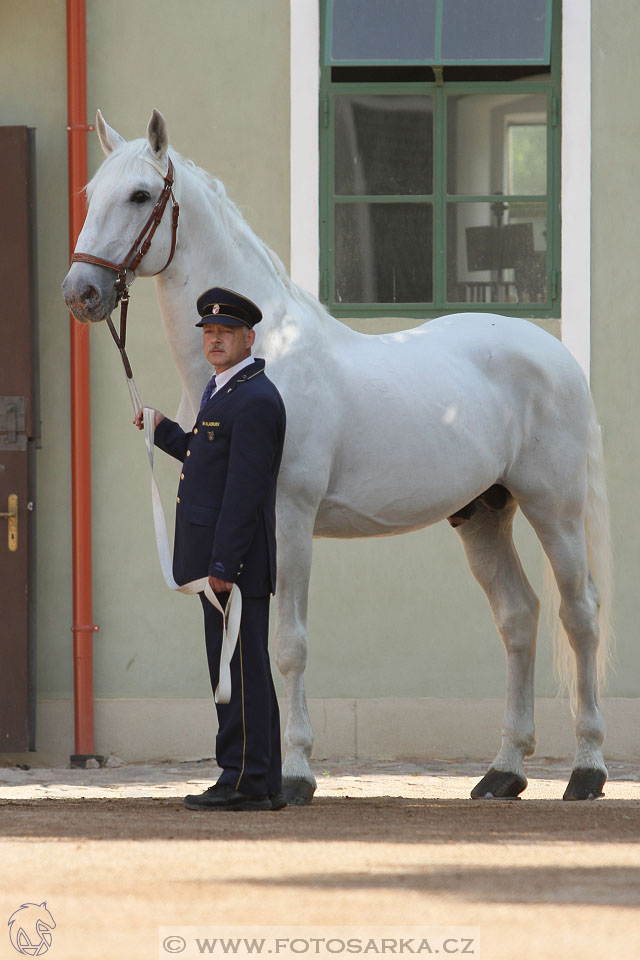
488,544
564,543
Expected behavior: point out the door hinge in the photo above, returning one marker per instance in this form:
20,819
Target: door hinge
324,286
324,112
555,111
13,423
555,284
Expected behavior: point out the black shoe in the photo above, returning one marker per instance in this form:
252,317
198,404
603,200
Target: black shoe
222,796
277,800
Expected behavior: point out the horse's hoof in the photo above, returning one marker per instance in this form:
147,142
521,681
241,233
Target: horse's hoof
499,785
585,784
298,791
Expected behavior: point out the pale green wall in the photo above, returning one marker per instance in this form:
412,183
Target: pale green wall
391,617
615,311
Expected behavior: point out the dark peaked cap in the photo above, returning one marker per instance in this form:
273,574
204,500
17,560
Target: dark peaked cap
219,305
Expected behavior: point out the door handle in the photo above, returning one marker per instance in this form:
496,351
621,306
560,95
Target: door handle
12,517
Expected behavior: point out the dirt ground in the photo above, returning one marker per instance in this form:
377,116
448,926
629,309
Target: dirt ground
385,846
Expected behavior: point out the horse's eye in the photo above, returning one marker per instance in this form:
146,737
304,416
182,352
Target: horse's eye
140,196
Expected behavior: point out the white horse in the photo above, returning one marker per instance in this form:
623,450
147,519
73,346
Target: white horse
466,417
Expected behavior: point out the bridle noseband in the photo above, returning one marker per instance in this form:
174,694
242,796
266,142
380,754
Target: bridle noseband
139,248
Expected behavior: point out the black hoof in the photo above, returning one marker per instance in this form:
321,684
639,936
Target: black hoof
585,784
499,785
298,791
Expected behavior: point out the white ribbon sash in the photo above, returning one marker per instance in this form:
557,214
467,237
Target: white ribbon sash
233,612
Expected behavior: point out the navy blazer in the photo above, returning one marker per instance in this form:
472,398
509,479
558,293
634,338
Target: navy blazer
225,513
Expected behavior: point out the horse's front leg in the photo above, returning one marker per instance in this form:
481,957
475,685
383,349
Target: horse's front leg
295,541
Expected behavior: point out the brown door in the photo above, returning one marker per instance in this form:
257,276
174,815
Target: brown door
19,436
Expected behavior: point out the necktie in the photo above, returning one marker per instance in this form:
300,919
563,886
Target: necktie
208,392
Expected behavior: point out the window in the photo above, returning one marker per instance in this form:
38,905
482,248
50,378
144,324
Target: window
439,156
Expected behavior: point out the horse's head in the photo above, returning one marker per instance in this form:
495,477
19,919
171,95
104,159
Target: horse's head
121,199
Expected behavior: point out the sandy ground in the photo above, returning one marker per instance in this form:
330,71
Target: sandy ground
384,847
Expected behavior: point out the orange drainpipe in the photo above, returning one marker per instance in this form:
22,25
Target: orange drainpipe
83,626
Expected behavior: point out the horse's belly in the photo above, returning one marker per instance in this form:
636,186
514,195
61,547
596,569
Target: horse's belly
347,521
379,503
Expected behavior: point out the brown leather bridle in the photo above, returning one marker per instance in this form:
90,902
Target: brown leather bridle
139,248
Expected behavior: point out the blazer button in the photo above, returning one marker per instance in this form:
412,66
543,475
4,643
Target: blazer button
182,476
177,499
195,429
188,453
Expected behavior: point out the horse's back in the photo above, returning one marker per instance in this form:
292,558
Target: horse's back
492,342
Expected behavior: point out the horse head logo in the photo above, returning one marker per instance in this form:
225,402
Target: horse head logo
30,929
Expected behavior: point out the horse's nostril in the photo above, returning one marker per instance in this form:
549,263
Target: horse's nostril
88,294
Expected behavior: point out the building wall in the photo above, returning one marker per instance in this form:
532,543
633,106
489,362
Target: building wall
615,329
400,635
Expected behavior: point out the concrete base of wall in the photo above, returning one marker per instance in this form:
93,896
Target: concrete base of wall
384,729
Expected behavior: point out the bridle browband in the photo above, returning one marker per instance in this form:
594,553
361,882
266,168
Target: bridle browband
139,248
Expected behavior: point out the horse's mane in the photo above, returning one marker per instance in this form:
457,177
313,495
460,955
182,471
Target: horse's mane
233,219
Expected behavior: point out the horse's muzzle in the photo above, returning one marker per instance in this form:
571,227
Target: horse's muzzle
89,292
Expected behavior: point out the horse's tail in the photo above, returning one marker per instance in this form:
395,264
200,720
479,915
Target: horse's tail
600,554
599,544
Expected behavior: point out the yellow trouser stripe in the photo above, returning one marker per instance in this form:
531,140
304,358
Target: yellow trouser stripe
244,728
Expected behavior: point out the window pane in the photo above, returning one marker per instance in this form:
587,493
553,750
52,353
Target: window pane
383,30
494,30
383,145
527,158
497,252
383,253
495,142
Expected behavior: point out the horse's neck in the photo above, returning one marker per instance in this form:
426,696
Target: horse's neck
217,248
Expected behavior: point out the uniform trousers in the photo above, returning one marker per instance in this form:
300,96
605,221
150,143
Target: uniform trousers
248,738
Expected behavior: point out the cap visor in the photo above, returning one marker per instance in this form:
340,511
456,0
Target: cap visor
220,318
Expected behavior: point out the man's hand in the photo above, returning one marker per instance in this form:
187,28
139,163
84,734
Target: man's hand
139,419
220,586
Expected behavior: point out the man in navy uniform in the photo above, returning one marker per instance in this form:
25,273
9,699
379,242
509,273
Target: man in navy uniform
225,527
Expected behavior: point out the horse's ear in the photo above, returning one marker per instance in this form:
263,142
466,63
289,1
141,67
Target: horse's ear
109,139
157,134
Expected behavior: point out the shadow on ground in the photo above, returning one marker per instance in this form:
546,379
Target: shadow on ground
507,883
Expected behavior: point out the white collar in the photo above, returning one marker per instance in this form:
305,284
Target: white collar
226,375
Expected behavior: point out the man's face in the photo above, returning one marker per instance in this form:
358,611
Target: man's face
226,346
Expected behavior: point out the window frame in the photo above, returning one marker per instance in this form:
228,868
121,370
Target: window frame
440,90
